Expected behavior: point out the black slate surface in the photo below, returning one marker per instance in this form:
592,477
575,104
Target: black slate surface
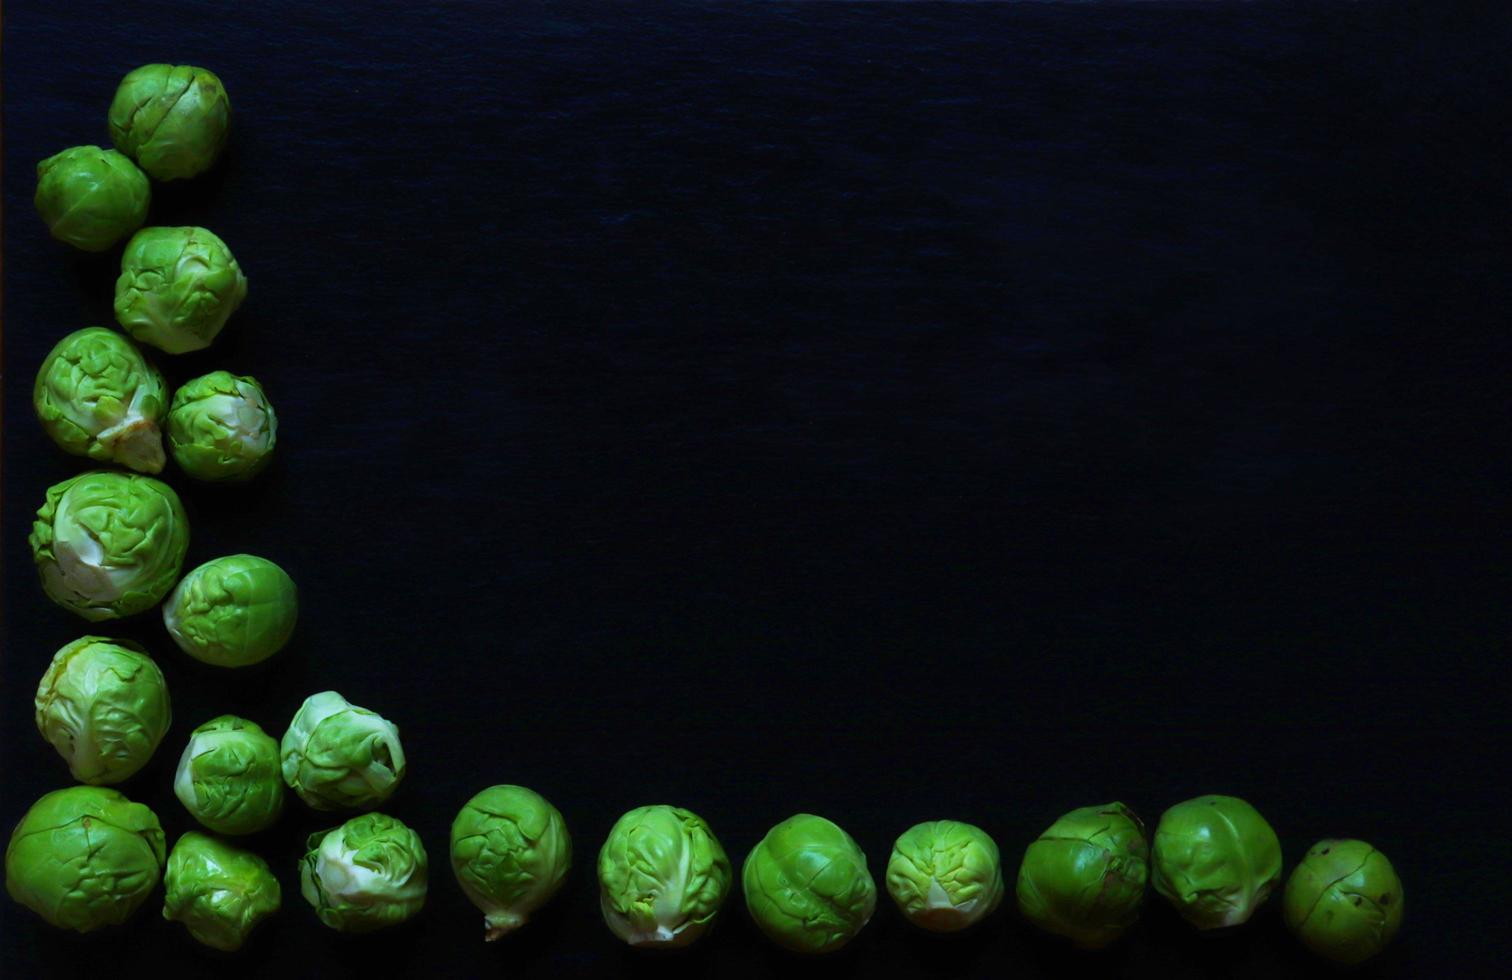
887,411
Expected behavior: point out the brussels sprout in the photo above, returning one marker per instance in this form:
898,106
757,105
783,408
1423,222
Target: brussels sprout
662,877
945,875
367,874
807,887
84,857
91,198
229,778
98,397
337,755
510,852
1344,901
233,611
218,891
171,119
1216,860
103,705
178,286
221,428
1084,878
109,544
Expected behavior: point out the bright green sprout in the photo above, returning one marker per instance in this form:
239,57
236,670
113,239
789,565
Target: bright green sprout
104,706
807,887
229,778
662,877
172,119
97,396
109,544
367,874
84,857
221,428
510,851
91,198
1216,860
218,891
178,286
945,875
1344,901
1084,878
233,611
339,756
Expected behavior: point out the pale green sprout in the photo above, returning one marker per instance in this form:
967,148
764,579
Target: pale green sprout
1084,878
1216,860
84,857
221,428
91,198
233,611
229,777
511,852
945,875
109,544
172,119
367,874
104,706
663,876
219,892
177,288
1344,901
339,756
807,887
97,396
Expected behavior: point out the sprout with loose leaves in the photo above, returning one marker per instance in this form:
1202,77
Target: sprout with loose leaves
178,286
339,756
1084,878
229,777
221,428
84,857
218,891
172,119
367,874
104,706
1344,901
1216,860
510,851
97,396
945,875
109,544
662,877
91,198
233,611
807,886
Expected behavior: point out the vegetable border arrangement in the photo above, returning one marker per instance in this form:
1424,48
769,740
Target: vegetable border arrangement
111,542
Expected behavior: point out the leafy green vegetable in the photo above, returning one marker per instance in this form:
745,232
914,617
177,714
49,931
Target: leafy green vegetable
1216,860
337,755
510,852
229,777
104,706
91,198
662,877
172,119
807,887
945,875
233,611
218,891
177,288
367,874
97,396
221,428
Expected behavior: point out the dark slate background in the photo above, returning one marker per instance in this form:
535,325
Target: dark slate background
893,412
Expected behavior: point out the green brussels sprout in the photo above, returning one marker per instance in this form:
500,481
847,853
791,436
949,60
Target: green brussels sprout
218,891
91,198
1216,860
1344,901
84,857
945,875
662,877
367,874
510,851
172,119
233,611
97,396
229,777
109,544
178,286
807,887
1084,878
339,756
104,706
221,428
